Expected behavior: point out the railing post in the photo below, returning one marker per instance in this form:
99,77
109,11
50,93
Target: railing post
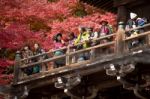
148,39
16,67
120,36
92,54
68,56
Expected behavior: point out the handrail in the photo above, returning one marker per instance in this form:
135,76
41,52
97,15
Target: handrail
42,54
69,54
44,61
94,47
137,36
139,27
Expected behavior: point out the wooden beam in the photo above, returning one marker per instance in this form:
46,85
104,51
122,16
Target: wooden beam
108,84
123,2
87,69
89,66
137,36
123,14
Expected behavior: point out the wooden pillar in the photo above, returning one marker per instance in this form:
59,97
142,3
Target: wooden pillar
123,14
16,67
120,36
68,57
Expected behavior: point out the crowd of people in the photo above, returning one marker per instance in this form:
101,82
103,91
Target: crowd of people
85,39
81,41
134,22
26,52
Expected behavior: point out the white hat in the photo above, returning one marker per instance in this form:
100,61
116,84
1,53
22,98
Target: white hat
133,15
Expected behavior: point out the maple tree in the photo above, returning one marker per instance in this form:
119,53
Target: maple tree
29,21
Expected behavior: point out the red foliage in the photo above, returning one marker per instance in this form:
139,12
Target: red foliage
6,63
16,17
5,79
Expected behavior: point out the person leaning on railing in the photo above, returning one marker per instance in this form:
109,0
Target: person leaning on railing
26,52
72,38
37,51
83,37
141,22
58,43
93,36
106,29
132,23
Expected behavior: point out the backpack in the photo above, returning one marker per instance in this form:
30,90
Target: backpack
110,27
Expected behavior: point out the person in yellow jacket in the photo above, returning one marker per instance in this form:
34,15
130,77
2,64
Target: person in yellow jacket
84,36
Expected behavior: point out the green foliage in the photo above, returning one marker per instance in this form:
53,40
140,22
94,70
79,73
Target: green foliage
80,13
52,0
38,24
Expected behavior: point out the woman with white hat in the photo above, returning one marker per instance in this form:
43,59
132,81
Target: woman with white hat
132,23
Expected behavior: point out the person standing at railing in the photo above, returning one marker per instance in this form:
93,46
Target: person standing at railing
93,35
141,22
37,51
132,23
59,43
26,53
83,37
93,42
106,29
72,38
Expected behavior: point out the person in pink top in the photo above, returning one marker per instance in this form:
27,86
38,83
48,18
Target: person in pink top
106,29
59,43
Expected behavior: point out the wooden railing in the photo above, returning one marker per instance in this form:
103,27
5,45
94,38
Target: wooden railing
118,46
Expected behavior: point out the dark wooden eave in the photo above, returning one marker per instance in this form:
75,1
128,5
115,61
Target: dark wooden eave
111,5
103,4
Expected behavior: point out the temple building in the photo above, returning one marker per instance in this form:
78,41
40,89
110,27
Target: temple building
121,74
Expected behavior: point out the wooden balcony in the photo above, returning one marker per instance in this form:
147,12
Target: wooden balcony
117,52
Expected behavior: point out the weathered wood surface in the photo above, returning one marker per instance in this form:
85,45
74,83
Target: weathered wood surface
103,4
87,67
123,2
97,64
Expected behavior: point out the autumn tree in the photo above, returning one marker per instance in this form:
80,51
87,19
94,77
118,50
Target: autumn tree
29,21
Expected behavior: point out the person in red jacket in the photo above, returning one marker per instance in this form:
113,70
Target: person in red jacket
105,30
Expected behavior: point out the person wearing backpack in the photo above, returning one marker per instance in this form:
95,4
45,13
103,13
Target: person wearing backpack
134,22
141,22
84,38
105,30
